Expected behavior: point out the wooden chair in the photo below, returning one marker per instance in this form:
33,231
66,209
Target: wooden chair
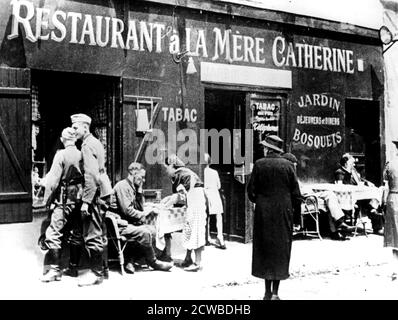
310,209
358,219
118,241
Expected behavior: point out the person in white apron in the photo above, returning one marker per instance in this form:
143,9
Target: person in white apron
212,186
188,184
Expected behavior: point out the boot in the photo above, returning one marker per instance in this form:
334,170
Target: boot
160,265
54,273
129,268
155,263
96,274
166,253
75,254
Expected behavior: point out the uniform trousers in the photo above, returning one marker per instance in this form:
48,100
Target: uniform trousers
93,229
64,216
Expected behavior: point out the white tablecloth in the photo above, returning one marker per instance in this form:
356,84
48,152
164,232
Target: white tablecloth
348,195
168,220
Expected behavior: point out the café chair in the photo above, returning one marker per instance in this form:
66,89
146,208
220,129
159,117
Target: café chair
358,220
116,240
309,210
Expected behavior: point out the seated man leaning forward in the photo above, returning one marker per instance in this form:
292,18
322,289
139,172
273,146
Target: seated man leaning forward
130,204
335,213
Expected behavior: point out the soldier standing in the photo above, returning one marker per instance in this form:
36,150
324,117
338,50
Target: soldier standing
64,188
92,219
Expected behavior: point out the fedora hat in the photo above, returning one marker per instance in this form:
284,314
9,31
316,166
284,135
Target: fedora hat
273,142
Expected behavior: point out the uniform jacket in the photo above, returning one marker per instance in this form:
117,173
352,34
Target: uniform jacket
63,160
94,164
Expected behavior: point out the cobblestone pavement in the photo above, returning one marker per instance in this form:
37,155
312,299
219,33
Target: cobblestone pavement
359,283
320,269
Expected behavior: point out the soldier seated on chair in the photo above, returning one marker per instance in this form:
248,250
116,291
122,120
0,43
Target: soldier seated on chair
129,200
335,213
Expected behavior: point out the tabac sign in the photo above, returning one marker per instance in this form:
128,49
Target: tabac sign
210,42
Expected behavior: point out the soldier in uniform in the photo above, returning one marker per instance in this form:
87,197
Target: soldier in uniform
92,218
64,188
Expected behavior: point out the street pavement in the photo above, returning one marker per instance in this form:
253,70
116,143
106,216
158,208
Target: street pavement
226,274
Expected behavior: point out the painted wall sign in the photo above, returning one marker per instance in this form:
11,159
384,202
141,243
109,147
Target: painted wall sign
179,114
319,121
102,31
209,41
309,56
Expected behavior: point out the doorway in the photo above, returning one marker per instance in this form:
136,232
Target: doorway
263,112
226,110
55,97
362,137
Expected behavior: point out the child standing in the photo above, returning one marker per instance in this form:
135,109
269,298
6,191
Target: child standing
212,186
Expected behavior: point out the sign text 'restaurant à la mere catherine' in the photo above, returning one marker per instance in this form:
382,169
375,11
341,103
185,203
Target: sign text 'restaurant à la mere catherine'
47,24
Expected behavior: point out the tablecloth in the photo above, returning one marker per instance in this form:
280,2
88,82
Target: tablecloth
348,195
168,220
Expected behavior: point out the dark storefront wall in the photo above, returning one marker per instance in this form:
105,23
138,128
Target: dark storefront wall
157,75
154,74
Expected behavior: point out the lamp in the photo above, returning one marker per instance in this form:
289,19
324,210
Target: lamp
191,66
177,58
386,37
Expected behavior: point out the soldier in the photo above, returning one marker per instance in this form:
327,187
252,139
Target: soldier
94,166
64,189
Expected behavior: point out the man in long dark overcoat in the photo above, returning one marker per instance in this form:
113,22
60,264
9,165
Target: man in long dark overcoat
274,189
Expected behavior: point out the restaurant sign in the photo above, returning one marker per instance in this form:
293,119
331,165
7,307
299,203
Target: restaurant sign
59,26
319,121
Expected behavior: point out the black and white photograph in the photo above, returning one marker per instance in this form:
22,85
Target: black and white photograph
222,152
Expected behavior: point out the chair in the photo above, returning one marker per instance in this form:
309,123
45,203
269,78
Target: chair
309,209
358,219
118,241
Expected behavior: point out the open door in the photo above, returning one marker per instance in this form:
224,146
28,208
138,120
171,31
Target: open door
15,145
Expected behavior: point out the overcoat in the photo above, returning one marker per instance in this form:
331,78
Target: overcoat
390,175
274,189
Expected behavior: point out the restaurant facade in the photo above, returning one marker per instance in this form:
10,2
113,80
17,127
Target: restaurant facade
185,76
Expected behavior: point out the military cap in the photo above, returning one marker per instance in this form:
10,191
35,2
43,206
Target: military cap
80,117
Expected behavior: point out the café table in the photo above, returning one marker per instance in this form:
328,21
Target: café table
348,195
168,220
